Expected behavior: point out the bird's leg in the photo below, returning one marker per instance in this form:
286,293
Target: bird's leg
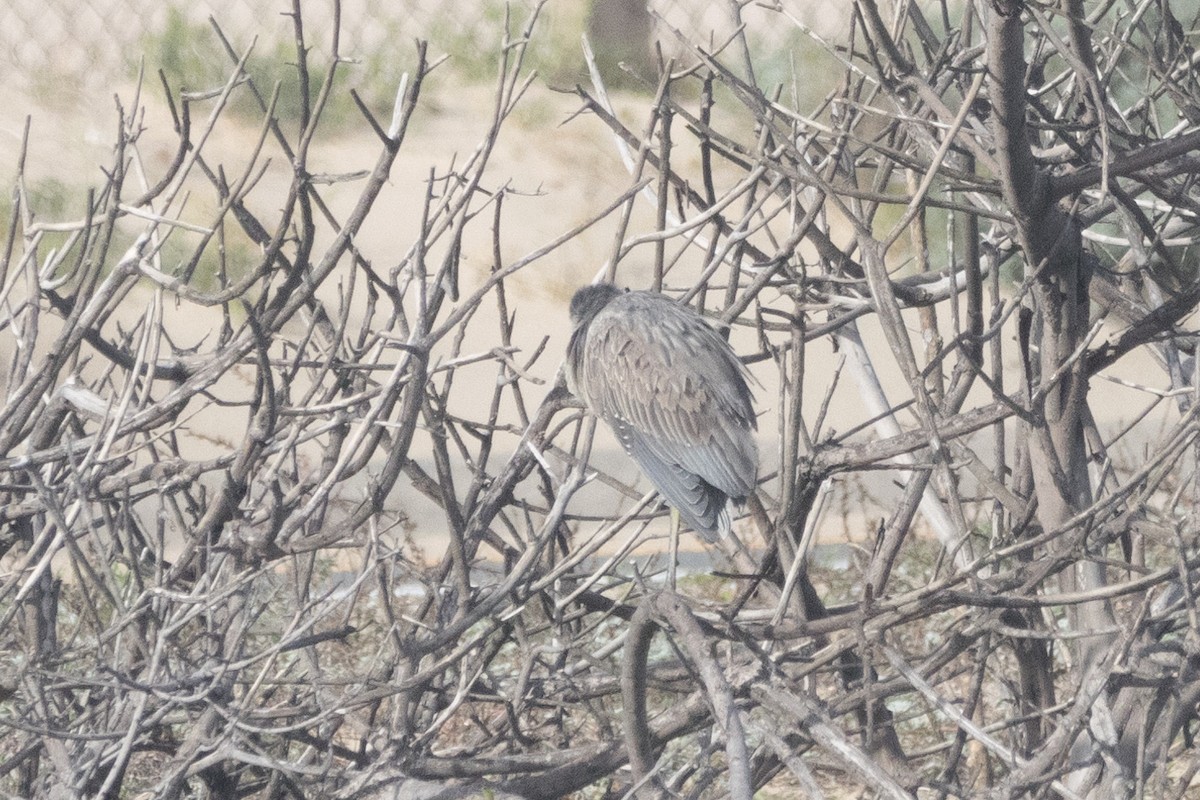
673,549
743,550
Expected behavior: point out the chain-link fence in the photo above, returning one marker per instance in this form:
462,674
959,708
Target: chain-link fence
94,42
97,40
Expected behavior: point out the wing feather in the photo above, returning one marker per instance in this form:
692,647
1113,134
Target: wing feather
701,506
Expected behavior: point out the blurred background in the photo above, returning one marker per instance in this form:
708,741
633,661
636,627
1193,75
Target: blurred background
66,62
92,43
69,63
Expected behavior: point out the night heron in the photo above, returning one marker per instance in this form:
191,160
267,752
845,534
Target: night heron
673,392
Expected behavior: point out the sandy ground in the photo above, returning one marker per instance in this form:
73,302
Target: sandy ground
562,173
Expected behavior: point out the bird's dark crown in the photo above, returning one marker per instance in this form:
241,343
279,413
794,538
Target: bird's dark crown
589,300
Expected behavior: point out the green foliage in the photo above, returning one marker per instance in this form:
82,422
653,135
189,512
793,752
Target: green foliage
806,73
714,588
234,257
473,49
556,52
50,200
193,58
463,42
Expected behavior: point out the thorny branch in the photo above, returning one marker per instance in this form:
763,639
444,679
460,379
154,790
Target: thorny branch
208,581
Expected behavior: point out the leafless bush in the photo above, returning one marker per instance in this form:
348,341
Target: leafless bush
254,620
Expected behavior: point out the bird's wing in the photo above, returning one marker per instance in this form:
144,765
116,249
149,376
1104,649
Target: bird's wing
702,507
660,369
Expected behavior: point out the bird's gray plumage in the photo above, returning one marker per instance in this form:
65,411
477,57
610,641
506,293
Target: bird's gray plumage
673,392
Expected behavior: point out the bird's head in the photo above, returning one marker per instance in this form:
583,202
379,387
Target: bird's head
589,300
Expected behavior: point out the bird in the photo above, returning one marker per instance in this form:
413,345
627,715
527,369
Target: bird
674,393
